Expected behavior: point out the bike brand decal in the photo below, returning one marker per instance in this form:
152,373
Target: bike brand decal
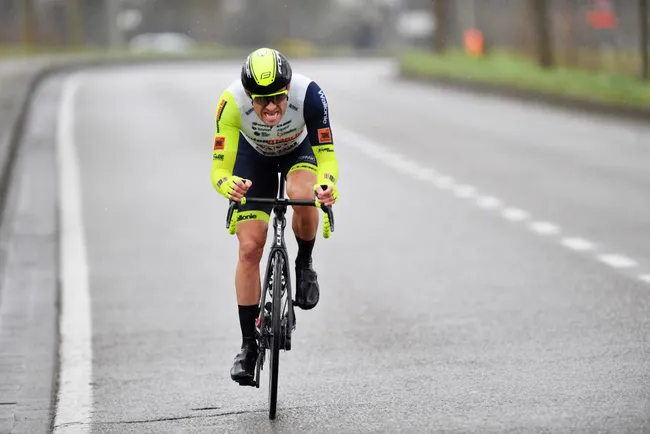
324,135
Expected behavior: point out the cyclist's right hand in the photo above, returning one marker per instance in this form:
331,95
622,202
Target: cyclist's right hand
235,188
240,189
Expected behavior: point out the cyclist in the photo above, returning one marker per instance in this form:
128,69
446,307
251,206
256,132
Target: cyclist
267,122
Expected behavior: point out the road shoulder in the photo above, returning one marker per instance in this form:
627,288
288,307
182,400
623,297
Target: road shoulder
28,307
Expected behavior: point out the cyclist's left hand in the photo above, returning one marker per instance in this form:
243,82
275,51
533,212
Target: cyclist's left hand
328,196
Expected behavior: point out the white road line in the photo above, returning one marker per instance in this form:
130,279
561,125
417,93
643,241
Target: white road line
424,174
515,214
444,182
488,202
465,191
544,228
74,404
578,244
617,261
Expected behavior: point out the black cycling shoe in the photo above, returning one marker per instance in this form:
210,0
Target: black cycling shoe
307,290
243,368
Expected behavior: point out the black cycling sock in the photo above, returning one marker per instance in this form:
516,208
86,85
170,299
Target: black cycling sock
247,318
304,251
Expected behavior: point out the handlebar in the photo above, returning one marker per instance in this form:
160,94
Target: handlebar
328,218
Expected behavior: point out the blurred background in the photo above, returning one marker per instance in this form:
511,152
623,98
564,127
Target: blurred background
608,35
597,50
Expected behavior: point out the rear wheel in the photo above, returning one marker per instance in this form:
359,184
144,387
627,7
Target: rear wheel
276,333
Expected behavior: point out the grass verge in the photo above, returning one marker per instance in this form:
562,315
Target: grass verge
519,73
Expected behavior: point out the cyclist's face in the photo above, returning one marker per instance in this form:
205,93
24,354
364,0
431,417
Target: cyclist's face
271,112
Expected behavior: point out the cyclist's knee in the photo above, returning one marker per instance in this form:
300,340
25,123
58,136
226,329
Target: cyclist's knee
300,185
252,236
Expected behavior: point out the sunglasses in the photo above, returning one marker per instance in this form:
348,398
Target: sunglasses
277,97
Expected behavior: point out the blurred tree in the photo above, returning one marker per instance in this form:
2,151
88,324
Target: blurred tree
440,34
74,23
540,24
567,40
29,22
645,36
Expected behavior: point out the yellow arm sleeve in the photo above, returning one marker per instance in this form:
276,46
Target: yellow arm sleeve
226,141
328,166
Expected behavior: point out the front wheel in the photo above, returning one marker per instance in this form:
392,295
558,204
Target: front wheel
276,333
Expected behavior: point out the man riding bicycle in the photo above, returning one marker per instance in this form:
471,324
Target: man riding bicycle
267,122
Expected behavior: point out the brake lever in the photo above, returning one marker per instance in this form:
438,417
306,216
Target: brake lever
231,208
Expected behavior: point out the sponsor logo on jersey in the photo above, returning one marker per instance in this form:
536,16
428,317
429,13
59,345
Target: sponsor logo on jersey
324,102
222,104
324,135
307,158
284,133
219,157
293,107
242,217
249,111
219,144
283,140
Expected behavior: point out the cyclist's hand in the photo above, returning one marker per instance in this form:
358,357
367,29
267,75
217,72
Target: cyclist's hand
327,196
240,188
233,187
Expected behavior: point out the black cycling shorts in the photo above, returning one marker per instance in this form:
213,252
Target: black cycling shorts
263,172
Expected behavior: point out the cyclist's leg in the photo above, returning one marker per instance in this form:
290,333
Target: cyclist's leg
300,166
301,178
252,226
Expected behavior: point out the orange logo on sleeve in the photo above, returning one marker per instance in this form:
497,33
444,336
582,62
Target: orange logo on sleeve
219,143
324,135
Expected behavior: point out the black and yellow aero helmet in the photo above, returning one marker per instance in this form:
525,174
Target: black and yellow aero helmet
265,71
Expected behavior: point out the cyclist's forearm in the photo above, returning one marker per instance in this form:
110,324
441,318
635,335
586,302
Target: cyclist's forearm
224,153
328,168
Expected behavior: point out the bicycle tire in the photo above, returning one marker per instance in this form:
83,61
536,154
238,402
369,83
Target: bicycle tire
276,337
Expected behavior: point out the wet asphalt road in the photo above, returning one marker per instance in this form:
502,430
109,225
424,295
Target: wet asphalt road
436,315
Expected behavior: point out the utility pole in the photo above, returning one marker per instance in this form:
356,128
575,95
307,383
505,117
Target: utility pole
645,36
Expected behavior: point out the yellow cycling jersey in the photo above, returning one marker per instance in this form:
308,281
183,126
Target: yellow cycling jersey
307,115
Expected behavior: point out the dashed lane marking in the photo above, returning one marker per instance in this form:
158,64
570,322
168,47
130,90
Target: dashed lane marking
617,261
515,214
578,244
544,228
487,202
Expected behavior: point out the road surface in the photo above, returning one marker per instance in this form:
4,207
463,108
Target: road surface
489,272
